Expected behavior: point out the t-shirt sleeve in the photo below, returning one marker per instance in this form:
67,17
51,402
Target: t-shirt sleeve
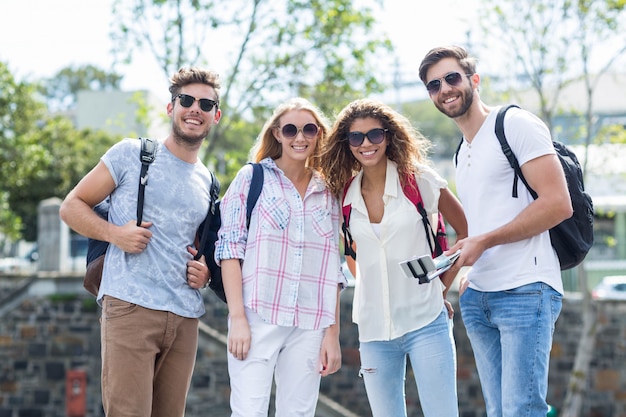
528,135
430,184
118,157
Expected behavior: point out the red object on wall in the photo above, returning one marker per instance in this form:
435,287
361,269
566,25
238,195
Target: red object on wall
76,393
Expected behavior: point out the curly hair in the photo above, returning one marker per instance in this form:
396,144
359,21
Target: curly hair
266,144
406,146
194,75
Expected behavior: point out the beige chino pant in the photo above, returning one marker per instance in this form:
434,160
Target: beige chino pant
148,357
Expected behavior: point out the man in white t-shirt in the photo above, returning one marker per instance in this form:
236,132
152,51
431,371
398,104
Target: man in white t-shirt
512,296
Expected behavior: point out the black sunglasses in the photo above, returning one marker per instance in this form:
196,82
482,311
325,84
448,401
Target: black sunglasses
309,130
375,136
452,78
206,104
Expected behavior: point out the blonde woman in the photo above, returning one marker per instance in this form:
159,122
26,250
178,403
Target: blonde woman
282,275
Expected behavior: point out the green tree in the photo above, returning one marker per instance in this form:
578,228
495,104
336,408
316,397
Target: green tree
19,114
40,156
320,49
62,89
61,155
551,44
599,22
440,129
611,134
538,42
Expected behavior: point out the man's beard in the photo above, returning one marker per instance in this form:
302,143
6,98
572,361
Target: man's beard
467,97
183,138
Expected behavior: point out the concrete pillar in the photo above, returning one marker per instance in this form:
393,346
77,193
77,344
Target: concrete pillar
52,237
620,232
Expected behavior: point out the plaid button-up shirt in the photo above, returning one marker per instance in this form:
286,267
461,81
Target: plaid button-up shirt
291,265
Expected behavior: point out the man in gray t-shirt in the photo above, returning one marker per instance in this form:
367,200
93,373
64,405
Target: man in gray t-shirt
150,282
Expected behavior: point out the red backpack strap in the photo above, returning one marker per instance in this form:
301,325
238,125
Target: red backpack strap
412,191
438,242
442,237
347,236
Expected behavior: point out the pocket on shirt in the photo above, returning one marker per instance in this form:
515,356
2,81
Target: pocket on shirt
322,222
274,215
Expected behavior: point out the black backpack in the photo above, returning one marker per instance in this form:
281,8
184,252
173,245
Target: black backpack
96,249
207,240
573,237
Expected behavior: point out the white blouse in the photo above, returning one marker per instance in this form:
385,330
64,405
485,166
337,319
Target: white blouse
387,304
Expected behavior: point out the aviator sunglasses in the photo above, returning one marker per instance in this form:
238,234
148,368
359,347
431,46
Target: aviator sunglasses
186,100
375,136
290,130
453,79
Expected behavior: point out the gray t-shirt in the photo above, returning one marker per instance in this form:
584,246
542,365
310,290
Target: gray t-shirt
176,202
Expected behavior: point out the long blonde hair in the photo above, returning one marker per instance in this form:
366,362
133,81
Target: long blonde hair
406,146
266,143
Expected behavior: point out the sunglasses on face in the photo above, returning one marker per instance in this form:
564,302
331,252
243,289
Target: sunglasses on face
290,130
375,136
186,100
453,79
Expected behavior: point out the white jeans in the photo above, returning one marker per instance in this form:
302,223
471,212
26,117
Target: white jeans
293,355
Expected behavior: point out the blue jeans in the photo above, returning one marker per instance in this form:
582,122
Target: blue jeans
511,335
433,358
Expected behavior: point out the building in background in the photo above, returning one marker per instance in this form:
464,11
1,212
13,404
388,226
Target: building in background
605,171
125,113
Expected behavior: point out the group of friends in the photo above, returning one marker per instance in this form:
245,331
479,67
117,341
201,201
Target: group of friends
282,270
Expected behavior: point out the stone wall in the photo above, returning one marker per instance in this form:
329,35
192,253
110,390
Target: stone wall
44,337
40,341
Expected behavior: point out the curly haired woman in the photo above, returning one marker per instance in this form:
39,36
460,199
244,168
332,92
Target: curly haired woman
375,149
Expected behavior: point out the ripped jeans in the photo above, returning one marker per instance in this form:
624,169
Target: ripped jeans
288,354
432,353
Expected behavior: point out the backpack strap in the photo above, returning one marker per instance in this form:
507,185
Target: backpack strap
256,185
214,194
345,226
437,243
146,156
508,152
456,153
411,191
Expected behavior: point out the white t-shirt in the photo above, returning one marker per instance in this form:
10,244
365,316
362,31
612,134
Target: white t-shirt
485,185
387,304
